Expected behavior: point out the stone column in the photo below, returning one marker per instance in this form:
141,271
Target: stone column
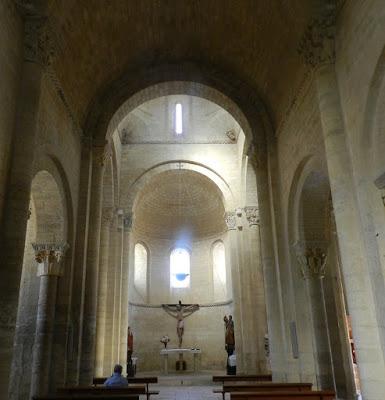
233,246
117,289
109,360
50,267
312,259
107,215
317,47
127,225
80,263
38,51
88,351
256,288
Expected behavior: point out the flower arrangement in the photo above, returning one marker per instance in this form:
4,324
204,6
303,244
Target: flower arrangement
165,339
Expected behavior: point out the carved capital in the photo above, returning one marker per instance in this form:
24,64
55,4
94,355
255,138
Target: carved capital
231,220
317,43
127,221
107,215
49,258
312,257
252,215
102,154
39,44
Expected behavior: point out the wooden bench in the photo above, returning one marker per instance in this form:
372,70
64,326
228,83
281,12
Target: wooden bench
88,397
242,378
99,392
239,378
284,395
146,380
266,386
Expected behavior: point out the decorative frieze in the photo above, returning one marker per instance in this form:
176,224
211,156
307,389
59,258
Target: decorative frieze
312,258
49,258
252,215
317,44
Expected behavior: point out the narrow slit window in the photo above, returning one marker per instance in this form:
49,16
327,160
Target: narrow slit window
178,119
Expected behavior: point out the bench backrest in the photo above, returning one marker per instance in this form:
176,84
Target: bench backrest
88,397
265,386
99,390
242,378
143,379
284,395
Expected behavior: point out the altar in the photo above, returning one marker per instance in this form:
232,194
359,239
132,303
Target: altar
195,352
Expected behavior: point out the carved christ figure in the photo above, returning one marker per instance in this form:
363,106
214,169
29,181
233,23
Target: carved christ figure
180,311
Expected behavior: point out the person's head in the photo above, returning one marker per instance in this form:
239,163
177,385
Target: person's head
230,317
118,369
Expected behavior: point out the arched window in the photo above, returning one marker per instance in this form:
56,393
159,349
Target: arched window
219,270
179,268
140,270
178,123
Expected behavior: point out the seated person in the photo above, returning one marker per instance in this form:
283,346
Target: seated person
116,380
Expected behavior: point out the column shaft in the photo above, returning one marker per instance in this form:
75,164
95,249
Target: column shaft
87,361
43,337
15,214
124,297
102,291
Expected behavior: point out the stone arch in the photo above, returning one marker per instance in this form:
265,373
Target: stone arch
318,293
372,143
218,181
137,86
48,223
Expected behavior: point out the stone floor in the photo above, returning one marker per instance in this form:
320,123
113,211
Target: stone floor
186,386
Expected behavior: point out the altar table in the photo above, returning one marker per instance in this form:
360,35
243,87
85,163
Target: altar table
165,352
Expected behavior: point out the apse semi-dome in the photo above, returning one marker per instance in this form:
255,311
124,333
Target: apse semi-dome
179,203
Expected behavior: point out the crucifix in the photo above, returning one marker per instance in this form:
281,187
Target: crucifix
180,311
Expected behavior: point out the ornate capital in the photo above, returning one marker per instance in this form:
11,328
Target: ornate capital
312,257
231,220
317,43
127,221
107,215
39,44
102,153
252,215
49,258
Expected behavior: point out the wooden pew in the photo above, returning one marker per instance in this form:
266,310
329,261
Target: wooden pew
242,378
239,378
146,380
99,390
266,386
87,397
284,395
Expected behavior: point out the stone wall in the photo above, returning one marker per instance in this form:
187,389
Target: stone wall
11,52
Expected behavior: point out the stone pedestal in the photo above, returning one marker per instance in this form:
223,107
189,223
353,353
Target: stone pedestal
49,260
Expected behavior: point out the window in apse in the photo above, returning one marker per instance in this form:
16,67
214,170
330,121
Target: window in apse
180,268
140,271
178,119
219,269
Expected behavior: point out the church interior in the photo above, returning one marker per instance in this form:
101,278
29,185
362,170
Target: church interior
167,164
